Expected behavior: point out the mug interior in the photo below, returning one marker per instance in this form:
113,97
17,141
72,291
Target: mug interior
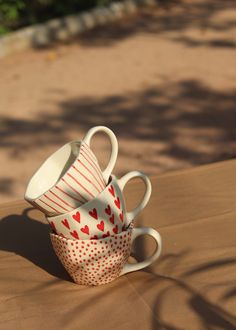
52,170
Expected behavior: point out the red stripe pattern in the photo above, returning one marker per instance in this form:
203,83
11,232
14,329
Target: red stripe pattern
82,182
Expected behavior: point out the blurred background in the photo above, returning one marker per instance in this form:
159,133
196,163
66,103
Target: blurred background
163,79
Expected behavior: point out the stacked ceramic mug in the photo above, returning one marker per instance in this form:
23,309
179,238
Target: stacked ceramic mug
91,230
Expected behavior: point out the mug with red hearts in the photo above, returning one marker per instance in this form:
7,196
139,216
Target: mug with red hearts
96,262
71,176
103,216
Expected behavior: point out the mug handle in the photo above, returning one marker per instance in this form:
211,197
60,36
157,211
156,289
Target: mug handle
122,182
114,147
140,265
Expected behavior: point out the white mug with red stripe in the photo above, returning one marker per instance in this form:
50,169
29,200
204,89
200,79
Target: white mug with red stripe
71,176
104,215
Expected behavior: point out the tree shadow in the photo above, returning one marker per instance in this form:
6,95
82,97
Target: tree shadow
167,280
6,186
30,239
184,121
229,294
209,314
214,42
169,16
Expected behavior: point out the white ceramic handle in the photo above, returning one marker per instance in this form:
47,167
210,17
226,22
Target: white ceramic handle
114,148
140,265
122,182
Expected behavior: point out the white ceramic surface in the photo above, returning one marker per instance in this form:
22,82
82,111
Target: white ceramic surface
71,176
103,216
96,262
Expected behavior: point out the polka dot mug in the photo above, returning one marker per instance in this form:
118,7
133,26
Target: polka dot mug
96,262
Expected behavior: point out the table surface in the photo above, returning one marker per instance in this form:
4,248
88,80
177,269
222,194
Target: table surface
191,286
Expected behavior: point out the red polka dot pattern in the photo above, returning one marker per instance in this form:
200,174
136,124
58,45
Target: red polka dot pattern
93,262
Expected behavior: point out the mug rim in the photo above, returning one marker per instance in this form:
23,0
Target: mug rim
47,160
56,217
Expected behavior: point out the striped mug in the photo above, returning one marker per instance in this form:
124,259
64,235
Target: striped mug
71,176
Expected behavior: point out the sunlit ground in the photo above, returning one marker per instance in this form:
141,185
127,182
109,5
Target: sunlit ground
163,80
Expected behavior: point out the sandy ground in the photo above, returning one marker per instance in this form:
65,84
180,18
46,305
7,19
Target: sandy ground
164,80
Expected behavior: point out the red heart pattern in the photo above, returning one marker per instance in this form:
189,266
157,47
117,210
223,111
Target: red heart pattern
111,191
94,230
76,217
66,223
85,230
112,219
74,234
108,210
94,214
117,202
94,237
106,235
115,230
100,225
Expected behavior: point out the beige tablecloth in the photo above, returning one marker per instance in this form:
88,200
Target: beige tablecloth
192,285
